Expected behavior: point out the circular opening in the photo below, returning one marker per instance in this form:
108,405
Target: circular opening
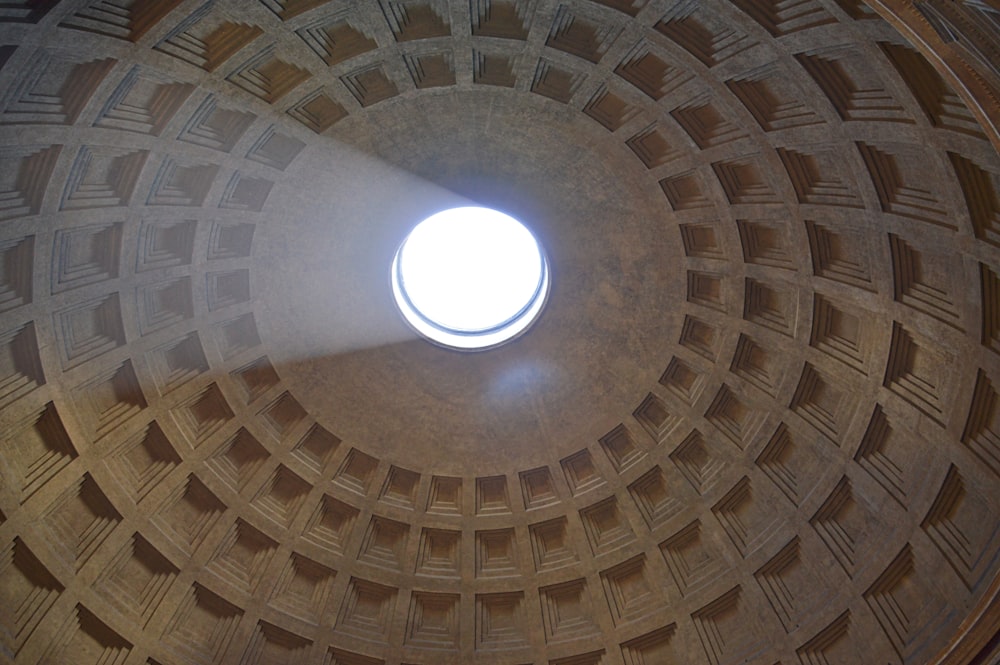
470,278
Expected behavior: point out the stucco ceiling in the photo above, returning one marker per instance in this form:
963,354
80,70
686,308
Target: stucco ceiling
757,421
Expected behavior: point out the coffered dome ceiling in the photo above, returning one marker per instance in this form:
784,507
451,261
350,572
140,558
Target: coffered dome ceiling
757,421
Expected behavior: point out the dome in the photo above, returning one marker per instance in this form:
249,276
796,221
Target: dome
756,421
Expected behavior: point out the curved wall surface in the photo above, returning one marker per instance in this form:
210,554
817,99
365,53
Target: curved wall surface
757,422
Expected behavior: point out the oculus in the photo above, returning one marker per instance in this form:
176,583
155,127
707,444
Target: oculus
470,278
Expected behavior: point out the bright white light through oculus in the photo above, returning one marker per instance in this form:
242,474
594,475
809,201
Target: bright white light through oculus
470,277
